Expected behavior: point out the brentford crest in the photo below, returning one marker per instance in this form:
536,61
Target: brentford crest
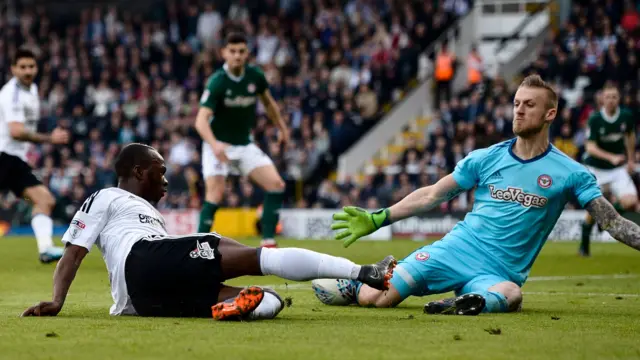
544,181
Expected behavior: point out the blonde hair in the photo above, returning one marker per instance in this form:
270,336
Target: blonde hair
536,82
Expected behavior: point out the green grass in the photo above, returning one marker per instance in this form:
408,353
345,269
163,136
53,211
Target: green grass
568,318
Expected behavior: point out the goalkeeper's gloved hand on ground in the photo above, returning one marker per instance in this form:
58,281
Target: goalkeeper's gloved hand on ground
358,222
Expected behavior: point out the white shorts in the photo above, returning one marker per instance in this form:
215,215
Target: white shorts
242,160
618,179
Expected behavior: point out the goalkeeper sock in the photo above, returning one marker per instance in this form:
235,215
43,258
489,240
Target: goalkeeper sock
302,265
43,229
495,302
272,203
206,217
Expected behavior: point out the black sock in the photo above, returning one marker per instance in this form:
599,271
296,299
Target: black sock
586,237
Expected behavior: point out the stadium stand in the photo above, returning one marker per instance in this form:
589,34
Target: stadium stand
599,43
114,76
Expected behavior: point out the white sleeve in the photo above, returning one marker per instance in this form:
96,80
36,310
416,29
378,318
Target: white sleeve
87,224
11,107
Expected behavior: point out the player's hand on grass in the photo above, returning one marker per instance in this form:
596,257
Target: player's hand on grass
218,150
59,136
44,308
356,223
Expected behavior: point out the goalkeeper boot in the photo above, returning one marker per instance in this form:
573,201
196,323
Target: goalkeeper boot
467,304
378,276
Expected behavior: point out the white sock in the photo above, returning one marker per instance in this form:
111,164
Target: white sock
302,265
43,228
269,307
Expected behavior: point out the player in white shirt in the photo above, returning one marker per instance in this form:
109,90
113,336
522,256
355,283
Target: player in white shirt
19,116
154,274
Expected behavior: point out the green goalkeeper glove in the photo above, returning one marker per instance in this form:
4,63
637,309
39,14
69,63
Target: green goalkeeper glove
357,223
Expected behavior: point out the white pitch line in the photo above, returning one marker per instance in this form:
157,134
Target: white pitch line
583,277
295,286
579,294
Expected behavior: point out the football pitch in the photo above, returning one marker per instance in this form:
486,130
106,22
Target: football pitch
574,308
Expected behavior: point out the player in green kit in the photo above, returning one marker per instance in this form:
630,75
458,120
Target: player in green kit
611,136
225,120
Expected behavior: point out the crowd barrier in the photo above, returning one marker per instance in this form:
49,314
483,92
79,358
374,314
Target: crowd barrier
315,224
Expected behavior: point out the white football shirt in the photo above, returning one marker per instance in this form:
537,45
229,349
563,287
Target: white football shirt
114,219
18,104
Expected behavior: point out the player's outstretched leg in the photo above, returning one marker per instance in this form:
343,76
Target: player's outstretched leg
269,180
489,293
402,285
431,269
43,204
299,265
183,276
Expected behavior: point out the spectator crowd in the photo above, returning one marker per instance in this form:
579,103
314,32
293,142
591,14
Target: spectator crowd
113,76
600,43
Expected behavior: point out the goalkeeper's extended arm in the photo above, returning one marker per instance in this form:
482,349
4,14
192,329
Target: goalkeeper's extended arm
356,222
424,199
621,229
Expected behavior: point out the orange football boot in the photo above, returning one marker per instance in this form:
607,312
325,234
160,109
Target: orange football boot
244,303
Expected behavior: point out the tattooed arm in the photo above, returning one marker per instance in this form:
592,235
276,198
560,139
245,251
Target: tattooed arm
621,229
426,198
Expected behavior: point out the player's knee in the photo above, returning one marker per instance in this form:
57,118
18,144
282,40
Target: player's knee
215,191
515,301
511,292
45,202
277,185
214,196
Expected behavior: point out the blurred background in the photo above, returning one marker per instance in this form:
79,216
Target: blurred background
364,86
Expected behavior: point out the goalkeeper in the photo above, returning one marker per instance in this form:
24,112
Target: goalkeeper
522,186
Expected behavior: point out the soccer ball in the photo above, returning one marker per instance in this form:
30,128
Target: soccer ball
339,292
